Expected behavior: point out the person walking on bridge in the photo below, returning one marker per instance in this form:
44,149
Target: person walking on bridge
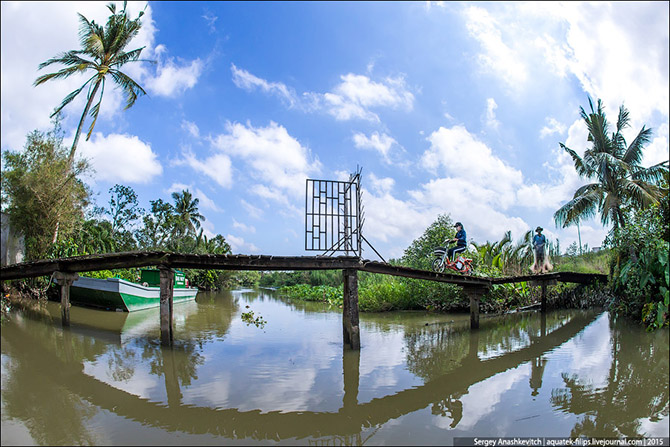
539,242
460,239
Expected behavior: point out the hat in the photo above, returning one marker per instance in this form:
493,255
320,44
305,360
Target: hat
539,229
458,224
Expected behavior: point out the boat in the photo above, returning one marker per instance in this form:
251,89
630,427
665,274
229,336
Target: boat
125,296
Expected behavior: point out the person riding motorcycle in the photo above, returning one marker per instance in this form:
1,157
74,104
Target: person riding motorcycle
460,239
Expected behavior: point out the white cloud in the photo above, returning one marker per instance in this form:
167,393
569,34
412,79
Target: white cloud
243,227
552,127
218,167
526,42
191,128
657,149
252,211
356,94
121,158
272,157
205,201
245,80
491,120
353,98
497,55
380,143
172,79
462,156
239,245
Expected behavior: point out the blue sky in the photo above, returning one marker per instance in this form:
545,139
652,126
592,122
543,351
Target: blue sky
448,107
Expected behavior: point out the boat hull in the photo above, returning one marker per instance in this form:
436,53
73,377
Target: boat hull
120,295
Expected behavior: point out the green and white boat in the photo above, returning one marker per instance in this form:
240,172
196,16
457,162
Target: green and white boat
125,296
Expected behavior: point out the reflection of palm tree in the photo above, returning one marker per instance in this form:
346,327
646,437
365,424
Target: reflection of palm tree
619,180
632,392
103,53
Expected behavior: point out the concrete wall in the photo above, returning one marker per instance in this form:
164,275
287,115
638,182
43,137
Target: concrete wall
11,243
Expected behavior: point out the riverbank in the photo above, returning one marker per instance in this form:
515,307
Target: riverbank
390,294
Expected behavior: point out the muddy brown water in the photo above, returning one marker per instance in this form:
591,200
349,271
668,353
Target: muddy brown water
419,378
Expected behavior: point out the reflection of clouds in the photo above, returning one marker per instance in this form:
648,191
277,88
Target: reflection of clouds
475,407
143,384
505,347
588,354
652,429
213,392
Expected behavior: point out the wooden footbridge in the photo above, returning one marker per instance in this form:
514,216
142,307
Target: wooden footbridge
65,271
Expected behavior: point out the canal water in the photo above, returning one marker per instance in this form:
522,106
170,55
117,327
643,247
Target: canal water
419,379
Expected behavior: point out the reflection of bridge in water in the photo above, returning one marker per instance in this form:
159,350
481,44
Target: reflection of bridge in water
65,271
352,418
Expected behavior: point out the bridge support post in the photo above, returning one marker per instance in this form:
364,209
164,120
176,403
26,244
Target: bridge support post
350,329
475,294
543,305
167,288
65,280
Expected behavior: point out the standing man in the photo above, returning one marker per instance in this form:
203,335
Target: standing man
460,239
538,246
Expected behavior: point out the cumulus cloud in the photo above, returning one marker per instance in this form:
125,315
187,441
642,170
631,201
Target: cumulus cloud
552,127
121,158
239,245
458,154
491,120
353,98
586,40
251,210
218,167
378,142
246,81
357,94
497,55
243,227
173,79
275,159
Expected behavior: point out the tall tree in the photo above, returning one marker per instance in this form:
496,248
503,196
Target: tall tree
40,190
186,208
123,207
614,167
103,52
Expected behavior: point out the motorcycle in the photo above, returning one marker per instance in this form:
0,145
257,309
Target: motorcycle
442,262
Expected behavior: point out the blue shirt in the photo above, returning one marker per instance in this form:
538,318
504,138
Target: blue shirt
539,241
462,242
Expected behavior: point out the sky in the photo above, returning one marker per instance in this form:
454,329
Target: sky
446,107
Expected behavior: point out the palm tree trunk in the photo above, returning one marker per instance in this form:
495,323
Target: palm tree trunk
70,158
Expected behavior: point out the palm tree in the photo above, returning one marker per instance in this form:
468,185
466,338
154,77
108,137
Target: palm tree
618,179
186,209
103,53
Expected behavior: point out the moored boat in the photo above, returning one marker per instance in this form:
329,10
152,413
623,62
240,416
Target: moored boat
125,296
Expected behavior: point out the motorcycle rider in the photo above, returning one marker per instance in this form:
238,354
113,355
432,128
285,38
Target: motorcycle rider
460,239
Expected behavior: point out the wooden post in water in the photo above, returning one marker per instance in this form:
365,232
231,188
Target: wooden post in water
167,287
65,280
543,306
474,293
351,362
350,328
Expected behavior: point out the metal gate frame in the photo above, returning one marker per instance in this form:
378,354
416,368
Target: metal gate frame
334,215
